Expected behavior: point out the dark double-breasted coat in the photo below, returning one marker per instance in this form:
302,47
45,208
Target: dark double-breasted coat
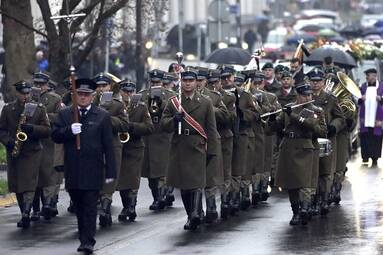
23,171
85,168
133,150
188,153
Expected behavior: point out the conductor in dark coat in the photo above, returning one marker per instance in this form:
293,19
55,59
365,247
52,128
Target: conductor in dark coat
84,168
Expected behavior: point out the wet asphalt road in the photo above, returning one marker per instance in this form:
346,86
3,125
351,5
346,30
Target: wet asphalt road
354,227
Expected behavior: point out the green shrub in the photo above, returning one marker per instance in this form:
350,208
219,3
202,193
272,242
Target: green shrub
3,187
3,155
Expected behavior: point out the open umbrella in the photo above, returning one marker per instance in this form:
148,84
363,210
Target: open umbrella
327,32
295,38
379,23
231,55
340,57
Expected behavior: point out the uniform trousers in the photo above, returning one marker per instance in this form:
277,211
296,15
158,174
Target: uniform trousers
85,202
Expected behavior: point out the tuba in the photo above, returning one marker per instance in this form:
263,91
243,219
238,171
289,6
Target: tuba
344,90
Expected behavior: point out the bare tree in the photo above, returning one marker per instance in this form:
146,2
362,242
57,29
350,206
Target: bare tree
18,34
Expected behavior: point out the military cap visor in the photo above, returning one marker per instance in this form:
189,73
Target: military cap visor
102,80
23,87
156,75
85,85
304,89
128,86
227,71
40,78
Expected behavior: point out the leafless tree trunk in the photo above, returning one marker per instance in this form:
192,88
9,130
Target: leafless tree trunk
18,42
140,67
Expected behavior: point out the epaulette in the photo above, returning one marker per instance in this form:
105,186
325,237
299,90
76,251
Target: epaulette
205,96
53,94
216,92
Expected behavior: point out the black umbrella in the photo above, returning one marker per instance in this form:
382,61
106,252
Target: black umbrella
340,57
231,55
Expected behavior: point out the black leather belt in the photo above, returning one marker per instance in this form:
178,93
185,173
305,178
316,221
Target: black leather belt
293,135
187,132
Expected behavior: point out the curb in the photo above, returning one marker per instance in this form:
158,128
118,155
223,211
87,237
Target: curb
8,200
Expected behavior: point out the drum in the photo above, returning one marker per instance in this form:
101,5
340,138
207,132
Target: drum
325,147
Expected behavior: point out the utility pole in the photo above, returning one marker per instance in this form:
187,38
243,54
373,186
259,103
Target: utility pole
238,21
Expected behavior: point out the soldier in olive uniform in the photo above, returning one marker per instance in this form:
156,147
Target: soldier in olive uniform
47,175
215,174
335,122
133,150
271,83
112,103
259,174
245,115
296,152
157,144
225,131
192,149
23,157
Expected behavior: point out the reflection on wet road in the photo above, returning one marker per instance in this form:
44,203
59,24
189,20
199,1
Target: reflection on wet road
354,227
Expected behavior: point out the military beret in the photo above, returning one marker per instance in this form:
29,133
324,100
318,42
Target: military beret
315,74
227,70
101,79
41,77
286,74
304,89
213,75
23,87
279,68
85,85
127,85
371,70
189,74
267,66
202,73
156,75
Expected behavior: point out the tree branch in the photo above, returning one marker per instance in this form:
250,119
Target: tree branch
96,28
87,10
23,24
47,14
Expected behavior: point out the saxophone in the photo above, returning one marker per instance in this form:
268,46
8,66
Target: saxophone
20,136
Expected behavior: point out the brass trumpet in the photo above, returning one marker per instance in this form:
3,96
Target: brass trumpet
124,137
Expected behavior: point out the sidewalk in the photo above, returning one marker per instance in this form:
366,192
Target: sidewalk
9,199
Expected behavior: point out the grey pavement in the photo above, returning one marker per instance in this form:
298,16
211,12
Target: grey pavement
354,227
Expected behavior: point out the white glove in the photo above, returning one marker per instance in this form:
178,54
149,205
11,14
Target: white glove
109,180
76,128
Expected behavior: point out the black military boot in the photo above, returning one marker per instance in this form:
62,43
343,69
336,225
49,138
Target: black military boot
162,197
264,193
169,199
156,205
71,207
186,200
255,195
336,195
211,210
315,206
36,205
125,203
304,213
324,208
55,211
196,202
105,218
225,206
296,219
132,207
235,202
25,221
47,211
245,198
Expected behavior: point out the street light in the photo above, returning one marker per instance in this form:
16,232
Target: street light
245,46
222,45
149,45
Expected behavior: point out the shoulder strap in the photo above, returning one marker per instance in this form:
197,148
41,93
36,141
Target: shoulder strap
189,119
